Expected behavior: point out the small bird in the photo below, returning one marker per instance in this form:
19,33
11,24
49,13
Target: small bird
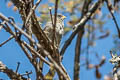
59,29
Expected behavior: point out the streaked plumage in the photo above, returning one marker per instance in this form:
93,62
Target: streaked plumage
59,29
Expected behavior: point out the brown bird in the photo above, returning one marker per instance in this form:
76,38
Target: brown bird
59,29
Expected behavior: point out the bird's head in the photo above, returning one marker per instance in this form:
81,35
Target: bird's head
61,17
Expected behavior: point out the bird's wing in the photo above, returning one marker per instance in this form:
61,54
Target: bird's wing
48,26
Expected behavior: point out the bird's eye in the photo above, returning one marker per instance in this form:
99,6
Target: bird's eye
59,15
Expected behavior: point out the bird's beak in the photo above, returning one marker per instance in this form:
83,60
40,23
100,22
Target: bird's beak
63,17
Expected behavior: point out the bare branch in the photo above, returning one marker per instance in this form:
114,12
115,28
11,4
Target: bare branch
32,10
54,26
15,26
39,55
34,63
26,52
1,24
27,73
110,8
55,19
18,65
77,55
51,16
56,65
11,37
11,74
79,43
50,58
43,40
79,25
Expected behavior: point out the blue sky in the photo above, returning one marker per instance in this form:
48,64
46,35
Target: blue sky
11,53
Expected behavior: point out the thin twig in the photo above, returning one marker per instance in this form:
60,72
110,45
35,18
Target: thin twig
18,65
5,18
51,16
88,46
31,11
16,27
79,26
11,74
39,55
33,62
8,29
27,73
12,19
55,18
50,58
11,37
109,5
1,24
54,26
25,51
